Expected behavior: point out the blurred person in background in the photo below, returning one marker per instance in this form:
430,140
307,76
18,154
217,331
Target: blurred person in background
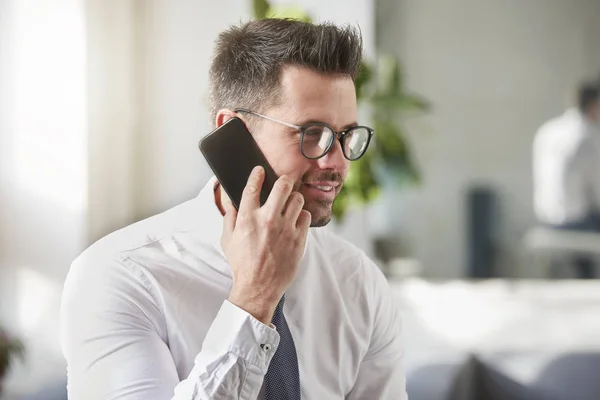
189,304
566,170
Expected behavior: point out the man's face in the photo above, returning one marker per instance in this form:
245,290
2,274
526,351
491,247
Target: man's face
309,97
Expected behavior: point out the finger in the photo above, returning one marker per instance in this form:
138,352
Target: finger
230,217
303,223
225,200
294,206
251,194
279,195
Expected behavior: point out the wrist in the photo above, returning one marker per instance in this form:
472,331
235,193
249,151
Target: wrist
261,307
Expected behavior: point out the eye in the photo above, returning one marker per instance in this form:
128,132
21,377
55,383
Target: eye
314,130
356,142
316,140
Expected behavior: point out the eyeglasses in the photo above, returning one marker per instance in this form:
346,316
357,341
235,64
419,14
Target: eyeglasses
317,138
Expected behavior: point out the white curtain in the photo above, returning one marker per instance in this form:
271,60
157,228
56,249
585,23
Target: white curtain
67,127
112,86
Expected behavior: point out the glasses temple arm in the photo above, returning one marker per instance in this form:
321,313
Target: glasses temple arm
243,110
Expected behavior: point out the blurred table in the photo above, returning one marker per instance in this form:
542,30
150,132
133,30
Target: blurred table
475,340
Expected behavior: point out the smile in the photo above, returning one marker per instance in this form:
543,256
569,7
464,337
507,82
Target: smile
323,188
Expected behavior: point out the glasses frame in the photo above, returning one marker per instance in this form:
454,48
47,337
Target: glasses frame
302,128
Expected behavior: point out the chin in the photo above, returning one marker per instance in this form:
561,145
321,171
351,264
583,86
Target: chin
320,212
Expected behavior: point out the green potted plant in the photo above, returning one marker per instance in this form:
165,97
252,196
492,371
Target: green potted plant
10,349
381,89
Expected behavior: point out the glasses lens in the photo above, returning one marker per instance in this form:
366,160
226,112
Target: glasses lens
356,142
316,140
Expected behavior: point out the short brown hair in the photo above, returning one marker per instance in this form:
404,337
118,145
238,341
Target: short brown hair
248,59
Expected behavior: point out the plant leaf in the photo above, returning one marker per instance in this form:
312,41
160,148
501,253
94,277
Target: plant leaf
260,8
361,82
393,104
388,76
289,12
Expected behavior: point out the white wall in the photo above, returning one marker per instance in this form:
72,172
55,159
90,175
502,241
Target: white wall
7,311
494,71
112,112
176,39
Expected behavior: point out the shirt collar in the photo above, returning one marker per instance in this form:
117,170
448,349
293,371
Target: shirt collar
574,112
211,219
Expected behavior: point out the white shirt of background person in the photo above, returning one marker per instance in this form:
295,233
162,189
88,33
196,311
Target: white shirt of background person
566,161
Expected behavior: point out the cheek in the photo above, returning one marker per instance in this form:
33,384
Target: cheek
285,158
346,168
294,166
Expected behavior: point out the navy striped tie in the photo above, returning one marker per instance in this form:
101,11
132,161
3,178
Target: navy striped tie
282,381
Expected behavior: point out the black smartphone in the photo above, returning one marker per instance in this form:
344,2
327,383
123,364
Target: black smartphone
232,153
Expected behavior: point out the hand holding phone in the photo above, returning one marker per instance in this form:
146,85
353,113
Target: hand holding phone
264,245
265,227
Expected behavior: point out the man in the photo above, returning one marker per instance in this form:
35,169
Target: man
566,165
206,302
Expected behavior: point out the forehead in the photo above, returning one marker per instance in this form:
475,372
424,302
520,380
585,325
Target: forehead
310,95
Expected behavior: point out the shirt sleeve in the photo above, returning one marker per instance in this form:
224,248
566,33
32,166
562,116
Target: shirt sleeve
381,373
113,336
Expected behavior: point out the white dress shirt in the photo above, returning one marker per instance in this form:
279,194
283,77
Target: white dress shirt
566,166
145,317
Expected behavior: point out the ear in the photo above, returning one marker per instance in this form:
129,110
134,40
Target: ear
223,116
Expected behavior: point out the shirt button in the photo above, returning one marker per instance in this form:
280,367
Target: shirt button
265,346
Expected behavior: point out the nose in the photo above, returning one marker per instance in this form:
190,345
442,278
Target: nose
334,159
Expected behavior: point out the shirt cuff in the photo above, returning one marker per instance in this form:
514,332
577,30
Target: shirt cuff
237,331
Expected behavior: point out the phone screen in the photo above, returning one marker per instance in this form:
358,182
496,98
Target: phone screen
232,154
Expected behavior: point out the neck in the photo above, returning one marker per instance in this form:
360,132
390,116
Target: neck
591,119
590,115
